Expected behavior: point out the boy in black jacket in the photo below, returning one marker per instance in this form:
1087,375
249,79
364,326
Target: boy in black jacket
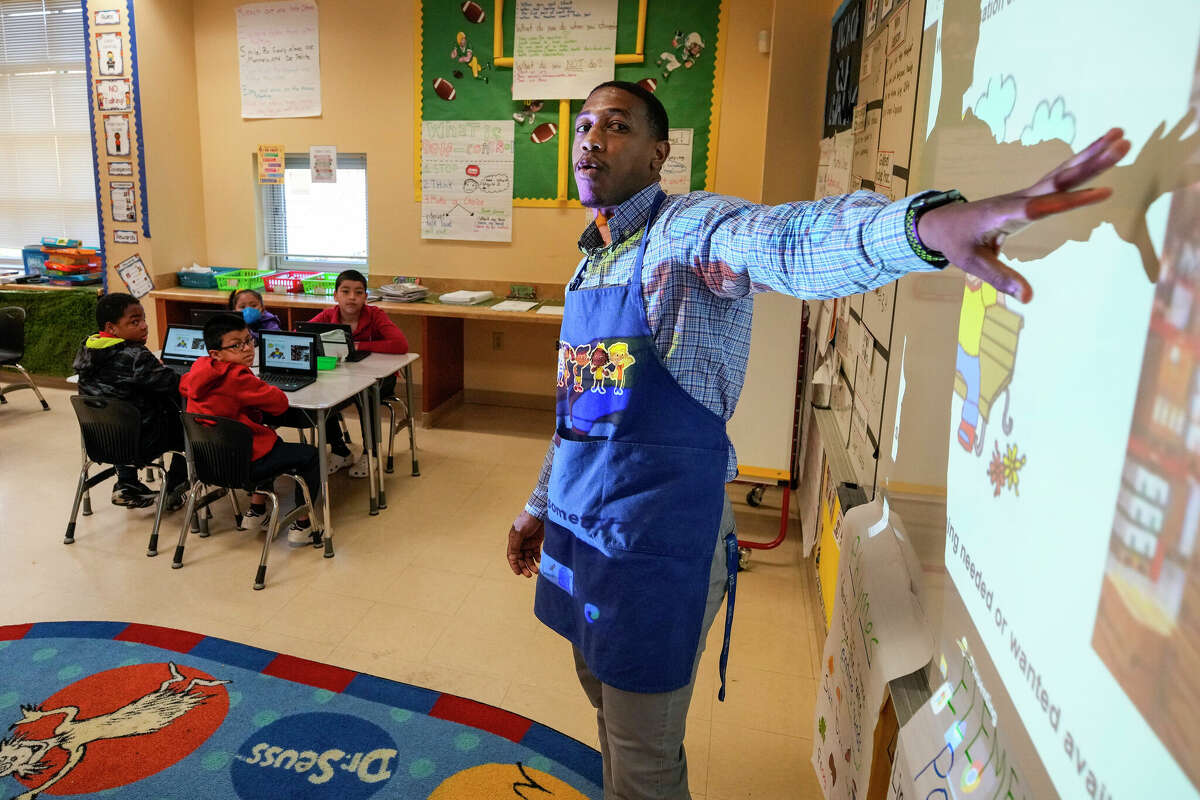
116,363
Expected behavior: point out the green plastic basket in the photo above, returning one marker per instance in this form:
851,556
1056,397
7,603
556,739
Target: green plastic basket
321,283
242,279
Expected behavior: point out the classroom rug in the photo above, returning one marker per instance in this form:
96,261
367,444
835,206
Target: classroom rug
122,710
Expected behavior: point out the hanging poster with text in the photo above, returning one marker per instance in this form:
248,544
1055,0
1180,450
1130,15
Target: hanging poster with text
280,59
322,163
677,169
878,632
124,203
845,56
116,134
113,94
108,53
563,48
270,164
133,272
467,180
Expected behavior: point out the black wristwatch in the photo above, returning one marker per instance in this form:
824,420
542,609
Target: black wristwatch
918,207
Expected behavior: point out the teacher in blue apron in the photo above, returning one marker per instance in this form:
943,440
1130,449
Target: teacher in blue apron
629,530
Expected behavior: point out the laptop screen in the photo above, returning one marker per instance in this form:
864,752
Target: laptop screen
282,350
184,343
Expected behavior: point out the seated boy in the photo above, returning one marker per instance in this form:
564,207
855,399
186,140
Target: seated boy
115,362
221,384
372,330
249,304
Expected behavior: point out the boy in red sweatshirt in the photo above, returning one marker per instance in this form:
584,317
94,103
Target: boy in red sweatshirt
373,331
222,384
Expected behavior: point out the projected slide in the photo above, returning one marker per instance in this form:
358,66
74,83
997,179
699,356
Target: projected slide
1074,454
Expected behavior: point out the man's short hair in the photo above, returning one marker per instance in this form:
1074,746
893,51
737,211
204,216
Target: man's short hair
111,307
220,324
349,275
655,112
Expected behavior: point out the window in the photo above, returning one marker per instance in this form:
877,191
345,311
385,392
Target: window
47,183
321,226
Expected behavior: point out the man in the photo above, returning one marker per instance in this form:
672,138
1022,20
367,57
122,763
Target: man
629,527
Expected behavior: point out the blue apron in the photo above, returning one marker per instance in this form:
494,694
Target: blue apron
635,497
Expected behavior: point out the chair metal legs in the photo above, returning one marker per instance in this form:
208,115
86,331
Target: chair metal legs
198,502
28,384
260,576
152,545
81,494
412,437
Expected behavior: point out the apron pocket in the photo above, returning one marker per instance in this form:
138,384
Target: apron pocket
662,500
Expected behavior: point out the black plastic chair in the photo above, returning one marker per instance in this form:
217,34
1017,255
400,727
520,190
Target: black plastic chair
112,434
219,452
12,350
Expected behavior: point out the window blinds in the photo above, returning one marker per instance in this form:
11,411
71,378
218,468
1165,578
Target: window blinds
47,187
317,225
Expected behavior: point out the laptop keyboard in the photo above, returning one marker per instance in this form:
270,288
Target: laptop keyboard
288,383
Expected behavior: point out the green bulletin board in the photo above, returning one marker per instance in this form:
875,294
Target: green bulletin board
483,90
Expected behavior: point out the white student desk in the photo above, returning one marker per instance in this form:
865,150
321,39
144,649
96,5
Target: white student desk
332,388
379,366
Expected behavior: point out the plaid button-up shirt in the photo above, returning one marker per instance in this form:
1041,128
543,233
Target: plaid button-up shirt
708,254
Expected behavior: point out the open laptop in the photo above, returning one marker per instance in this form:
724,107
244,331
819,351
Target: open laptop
182,346
287,359
199,316
336,340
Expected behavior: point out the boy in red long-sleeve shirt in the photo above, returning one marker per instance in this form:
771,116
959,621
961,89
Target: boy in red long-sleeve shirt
222,384
373,331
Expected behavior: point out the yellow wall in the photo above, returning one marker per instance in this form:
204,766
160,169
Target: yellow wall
200,151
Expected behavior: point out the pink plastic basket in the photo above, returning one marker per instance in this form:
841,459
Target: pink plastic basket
284,282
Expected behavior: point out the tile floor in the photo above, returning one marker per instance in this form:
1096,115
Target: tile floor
420,593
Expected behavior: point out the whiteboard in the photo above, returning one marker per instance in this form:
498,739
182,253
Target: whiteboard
761,428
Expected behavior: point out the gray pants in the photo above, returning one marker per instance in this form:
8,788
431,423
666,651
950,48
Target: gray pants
641,735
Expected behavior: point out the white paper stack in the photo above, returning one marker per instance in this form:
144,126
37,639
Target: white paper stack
403,292
464,297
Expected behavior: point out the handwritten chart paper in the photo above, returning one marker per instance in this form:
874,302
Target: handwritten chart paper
563,48
677,169
878,632
467,180
280,59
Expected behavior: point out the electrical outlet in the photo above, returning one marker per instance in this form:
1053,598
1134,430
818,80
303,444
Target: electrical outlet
497,340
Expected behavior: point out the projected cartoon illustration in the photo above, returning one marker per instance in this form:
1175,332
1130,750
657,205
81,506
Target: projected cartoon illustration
987,354
1147,628
592,383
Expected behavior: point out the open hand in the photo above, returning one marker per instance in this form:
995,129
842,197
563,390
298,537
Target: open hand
525,544
971,234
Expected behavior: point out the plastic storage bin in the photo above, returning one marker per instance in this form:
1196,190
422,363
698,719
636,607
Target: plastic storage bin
201,280
320,283
290,281
34,258
242,279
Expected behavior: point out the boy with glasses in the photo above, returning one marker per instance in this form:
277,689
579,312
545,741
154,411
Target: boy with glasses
221,384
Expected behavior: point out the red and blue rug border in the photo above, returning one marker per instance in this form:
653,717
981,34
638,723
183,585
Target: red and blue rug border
548,742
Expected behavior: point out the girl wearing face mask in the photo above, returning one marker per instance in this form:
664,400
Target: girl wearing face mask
249,304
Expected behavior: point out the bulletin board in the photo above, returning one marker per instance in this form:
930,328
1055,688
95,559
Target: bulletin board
652,35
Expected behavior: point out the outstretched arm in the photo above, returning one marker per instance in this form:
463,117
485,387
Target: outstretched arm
970,235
